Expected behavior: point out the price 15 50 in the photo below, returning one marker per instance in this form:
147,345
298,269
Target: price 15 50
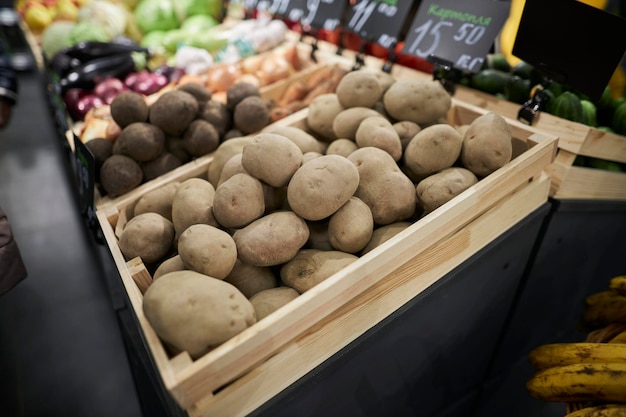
428,36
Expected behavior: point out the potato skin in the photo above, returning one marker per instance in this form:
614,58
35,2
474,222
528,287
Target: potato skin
193,204
388,192
432,149
343,147
169,265
311,266
180,303
267,301
417,100
384,233
271,158
406,130
158,200
438,189
487,144
148,236
208,250
321,186
378,131
359,88
271,240
322,112
350,228
303,139
222,154
347,121
250,279
238,201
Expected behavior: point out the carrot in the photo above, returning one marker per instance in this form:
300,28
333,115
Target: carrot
296,90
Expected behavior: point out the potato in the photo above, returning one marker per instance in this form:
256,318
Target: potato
275,198
238,201
271,158
193,312
193,204
175,263
162,164
388,192
251,114
250,279
384,233
267,301
347,121
271,240
148,236
158,200
318,235
487,144
310,155
231,167
208,250
322,112
439,188
377,131
222,154
422,101
311,266
321,186
432,149
305,141
350,228
406,130
343,147
359,88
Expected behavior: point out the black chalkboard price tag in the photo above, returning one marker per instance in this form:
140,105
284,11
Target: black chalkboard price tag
378,21
274,7
318,14
457,34
85,170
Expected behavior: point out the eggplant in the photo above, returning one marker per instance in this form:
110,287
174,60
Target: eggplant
88,50
87,75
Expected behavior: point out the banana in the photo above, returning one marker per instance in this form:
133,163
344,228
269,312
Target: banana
620,338
604,382
618,284
560,354
604,410
602,297
606,333
603,313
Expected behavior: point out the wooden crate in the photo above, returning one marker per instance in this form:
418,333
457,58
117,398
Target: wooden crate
568,181
241,374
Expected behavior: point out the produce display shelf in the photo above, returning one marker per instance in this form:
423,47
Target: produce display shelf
575,139
249,369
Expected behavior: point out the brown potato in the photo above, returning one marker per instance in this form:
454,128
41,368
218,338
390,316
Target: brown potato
377,131
384,233
487,144
231,167
222,154
180,303
305,141
309,267
271,240
437,189
360,88
432,149
158,200
347,121
422,101
149,236
175,263
238,201
388,192
250,279
322,112
208,250
406,130
193,204
343,147
321,186
350,228
271,158
267,301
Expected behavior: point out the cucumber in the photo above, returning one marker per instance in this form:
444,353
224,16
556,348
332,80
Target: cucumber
490,80
568,106
517,89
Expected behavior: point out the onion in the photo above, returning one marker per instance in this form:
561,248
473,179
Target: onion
151,84
86,103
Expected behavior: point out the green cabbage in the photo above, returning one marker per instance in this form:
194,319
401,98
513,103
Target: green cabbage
109,17
87,32
156,15
198,23
55,37
212,8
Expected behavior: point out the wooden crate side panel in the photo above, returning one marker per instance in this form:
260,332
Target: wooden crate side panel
365,311
593,184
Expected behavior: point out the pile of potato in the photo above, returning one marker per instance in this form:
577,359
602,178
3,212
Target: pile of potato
282,210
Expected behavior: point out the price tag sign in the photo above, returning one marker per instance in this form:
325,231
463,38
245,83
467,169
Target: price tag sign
458,34
378,21
581,47
319,14
274,7
85,168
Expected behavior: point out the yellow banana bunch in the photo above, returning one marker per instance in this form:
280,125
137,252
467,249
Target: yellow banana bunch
561,354
605,309
603,382
618,284
620,338
604,410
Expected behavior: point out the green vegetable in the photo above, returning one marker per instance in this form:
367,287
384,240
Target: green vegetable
198,23
568,106
153,39
490,80
211,8
604,164
56,37
499,62
156,15
111,18
589,113
83,31
517,89
618,123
